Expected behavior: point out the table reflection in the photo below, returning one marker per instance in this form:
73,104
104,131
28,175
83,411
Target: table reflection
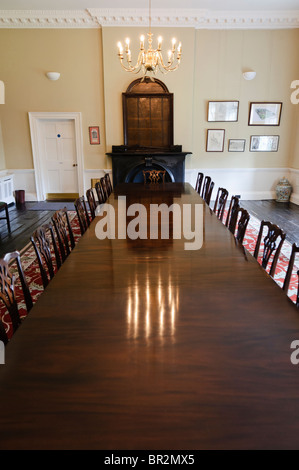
152,307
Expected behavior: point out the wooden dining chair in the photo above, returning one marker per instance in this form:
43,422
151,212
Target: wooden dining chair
104,187
64,233
199,181
100,192
4,206
234,211
234,202
8,291
153,176
208,195
108,183
285,287
42,246
242,224
274,233
205,187
220,203
82,214
91,202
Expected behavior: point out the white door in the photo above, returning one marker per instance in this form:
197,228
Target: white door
59,156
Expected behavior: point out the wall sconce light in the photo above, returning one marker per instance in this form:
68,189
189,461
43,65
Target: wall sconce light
2,93
249,75
53,75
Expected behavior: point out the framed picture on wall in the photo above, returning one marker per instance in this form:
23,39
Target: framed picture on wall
264,143
264,114
215,140
236,145
223,111
94,135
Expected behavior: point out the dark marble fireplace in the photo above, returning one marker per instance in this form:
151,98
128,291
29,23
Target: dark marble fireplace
148,135
128,166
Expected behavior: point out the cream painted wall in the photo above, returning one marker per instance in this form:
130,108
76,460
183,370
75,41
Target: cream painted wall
211,69
2,154
181,82
221,57
25,57
92,83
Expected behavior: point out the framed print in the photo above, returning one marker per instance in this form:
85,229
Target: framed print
223,111
264,114
215,140
94,135
264,143
236,145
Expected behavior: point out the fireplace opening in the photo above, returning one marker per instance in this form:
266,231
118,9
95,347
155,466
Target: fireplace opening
135,175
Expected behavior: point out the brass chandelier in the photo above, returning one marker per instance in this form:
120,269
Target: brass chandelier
150,60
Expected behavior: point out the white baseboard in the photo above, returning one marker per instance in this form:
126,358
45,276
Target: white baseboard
249,183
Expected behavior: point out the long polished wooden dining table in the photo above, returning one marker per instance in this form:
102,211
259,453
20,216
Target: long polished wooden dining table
142,344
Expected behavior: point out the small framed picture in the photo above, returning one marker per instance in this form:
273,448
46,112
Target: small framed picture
264,143
215,140
94,135
236,145
223,111
264,114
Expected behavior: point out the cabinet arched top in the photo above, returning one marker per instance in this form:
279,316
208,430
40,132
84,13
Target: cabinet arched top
146,86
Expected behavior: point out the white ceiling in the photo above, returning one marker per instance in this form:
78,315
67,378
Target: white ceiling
222,5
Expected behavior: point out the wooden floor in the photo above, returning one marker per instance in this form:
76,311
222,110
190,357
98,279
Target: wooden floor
283,214
24,221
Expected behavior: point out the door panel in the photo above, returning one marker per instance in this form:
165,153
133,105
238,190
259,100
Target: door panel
59,159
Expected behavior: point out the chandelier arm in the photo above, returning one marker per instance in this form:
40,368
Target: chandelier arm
130,68
167,68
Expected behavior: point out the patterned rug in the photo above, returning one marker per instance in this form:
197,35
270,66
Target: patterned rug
32,272
283,261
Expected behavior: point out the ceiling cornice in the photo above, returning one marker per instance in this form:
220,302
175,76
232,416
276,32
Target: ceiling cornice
199,19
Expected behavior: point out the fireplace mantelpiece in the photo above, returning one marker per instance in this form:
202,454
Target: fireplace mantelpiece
127,165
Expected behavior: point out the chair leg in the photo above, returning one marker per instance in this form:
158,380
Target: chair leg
7,218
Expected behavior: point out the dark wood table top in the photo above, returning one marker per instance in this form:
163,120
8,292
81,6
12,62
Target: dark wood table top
144,345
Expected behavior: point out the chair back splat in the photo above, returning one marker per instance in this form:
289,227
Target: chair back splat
242,224
199,181
64,233
82,214
208,195
154,176
100,192
7,291
104,187
233,213
91,202
42,247
270,244
205,188
108,183
220,203
233,202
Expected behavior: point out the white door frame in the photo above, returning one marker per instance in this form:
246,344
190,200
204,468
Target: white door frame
35,120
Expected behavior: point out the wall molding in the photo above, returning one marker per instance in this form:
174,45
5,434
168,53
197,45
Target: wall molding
195,18
250,183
